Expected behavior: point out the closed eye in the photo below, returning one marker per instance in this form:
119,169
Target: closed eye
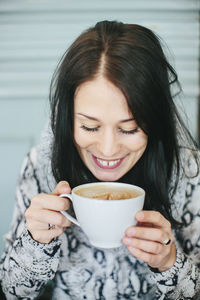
91,129
132,131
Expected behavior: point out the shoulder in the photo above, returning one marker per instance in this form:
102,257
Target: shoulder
188,185
44,148
190,163
37,163
189,166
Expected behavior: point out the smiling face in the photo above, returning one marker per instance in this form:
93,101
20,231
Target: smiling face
106,135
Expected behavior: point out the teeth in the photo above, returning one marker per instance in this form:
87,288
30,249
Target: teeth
112,163
106,163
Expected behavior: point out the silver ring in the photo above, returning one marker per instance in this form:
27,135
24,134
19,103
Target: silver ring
51,226
167,242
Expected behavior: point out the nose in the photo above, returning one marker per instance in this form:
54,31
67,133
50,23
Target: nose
108,144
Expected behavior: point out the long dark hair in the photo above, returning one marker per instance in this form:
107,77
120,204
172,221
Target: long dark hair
131,57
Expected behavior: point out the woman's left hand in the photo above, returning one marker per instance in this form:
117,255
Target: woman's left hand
151,240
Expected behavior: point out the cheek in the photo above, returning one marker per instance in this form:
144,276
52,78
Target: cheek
137,143
81,139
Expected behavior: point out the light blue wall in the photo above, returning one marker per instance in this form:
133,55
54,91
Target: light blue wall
34,35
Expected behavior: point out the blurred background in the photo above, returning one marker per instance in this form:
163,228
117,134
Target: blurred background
33,36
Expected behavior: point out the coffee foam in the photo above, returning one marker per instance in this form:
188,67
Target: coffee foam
105,192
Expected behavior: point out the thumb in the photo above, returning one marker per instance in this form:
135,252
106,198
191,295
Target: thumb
62,188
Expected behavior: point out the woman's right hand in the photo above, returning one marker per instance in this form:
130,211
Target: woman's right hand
44,210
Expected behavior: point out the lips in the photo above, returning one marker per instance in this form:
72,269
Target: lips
107,164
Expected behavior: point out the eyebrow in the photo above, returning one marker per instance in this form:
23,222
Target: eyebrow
95,119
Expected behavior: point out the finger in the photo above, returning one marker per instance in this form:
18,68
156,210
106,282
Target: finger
47,217
35,225
145,233
45,236
62,188
149,258
144,245
154,217
52,202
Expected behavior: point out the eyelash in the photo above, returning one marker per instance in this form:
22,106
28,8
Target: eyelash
129,131
121,130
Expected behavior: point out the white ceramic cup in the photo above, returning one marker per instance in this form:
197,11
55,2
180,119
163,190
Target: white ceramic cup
105,221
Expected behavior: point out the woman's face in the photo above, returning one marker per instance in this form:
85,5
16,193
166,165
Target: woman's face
106,135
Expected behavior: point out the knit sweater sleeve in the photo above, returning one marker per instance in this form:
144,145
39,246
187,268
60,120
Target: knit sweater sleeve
182,281
26,265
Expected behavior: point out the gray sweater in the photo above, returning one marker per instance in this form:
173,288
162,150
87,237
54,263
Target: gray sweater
81,271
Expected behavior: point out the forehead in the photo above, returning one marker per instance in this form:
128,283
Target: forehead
100,96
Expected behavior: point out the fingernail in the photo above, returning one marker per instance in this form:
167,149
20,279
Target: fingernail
131,248
131,231
127,241
65,189
140,215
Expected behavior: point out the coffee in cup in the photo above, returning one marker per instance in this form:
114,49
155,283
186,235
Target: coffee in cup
107,192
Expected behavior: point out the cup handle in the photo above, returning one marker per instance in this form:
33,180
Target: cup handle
65,213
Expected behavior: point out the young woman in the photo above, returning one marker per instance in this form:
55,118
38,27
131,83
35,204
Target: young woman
113,119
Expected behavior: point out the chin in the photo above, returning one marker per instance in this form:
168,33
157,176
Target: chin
107,177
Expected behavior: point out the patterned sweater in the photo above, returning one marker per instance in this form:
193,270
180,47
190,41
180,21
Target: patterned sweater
79,270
